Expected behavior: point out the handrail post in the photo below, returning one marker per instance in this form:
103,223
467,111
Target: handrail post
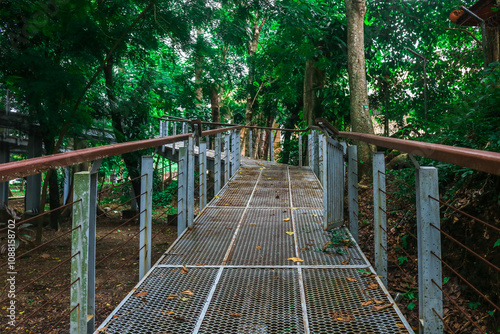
250,144
238,142
311,150
202,161
227,158
94,175
79,246
182,191
352,190
190,181
233,153
271,145
322,159
430,297
327,212
300,149
217,163
174,133
379,215
145,220
316,152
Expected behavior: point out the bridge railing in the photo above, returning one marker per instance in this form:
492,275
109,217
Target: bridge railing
87,241
430,257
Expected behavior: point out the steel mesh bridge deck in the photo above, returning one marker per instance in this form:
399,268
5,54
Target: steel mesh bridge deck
231,272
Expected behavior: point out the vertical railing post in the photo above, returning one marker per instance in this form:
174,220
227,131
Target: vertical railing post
322,158
379,215
300,149
174,133
182,191
190,181
250,144
271,145
202,161
238,151
227,158
79,246
233,152
327,214
94,175
316,152
311,150
217,163
430,298
352,190
145,220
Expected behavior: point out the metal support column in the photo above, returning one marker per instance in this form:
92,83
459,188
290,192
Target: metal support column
182,191
217,164
322,159
300,149
190,181
4,186
227,157
311,150
250,144
316,152
202,167
79,246
333,183
145,219
271,145
352,190
238,149
379,216
94,177
233,152
430,298
174,133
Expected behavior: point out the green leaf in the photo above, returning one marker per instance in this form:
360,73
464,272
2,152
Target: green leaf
446,280
411,306
497,243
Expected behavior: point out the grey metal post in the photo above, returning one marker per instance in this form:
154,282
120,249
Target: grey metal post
4,186
352,190
190,181
300,150
380,218
327,214
250,144
182,191
429,241
217,163
238,152
67,180
145,219
94,175
322,158
271,146
233,152
160,130
333,179
311,151
79,246
316,152
174,132
227,157
34,182
202,167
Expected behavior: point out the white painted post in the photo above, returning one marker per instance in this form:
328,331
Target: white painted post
190,181
430,296
380,217
217,163
202,167
233,152
227,158
271,145
94,174
182,191
79,245
327,214
250,144
322,154
311,151
352,190
300,149
316,152
238,151
145,220
174,133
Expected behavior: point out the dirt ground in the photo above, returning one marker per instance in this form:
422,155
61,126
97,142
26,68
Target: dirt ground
45,303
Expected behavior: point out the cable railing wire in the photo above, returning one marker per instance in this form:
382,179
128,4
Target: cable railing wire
121,225
41,245
61,318
122,204
119,247
121,184
442,320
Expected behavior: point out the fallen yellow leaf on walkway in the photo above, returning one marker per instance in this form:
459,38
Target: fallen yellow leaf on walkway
258,247
286,219
172,296
350,279
216,196
290,233
236,315
187,292
184,270
380,308
295,259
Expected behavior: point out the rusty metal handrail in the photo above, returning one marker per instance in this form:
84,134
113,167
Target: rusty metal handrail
22,168
484,161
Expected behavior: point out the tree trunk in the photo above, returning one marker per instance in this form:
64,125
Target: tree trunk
251,90
360,114
214,102
314,81
198,69
54,200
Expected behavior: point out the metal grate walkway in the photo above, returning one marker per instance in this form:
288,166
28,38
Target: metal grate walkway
231,272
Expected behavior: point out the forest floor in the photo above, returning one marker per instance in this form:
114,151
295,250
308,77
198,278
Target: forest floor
45,302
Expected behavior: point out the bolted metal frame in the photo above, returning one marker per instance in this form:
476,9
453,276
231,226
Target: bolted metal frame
190,181
352,190
430,297
217,163
379,215
333,183
145,219
79,245
182,191
202,165
227,158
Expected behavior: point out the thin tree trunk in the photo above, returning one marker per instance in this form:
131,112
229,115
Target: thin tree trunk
360,113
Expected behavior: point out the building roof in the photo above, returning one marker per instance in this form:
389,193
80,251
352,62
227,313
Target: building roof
485,9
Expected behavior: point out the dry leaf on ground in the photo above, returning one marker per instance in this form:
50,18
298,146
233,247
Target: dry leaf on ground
258,247
187,292
295,259
350,279
290,233
141,294
184,270
286,219
236,315
382,307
